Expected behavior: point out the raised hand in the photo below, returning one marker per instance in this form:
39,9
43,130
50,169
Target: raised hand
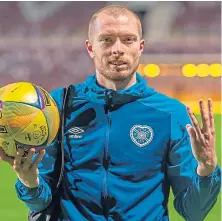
203,139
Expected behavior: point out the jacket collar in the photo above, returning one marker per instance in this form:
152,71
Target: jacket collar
99,94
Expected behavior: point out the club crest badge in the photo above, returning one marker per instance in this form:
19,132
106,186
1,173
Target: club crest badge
141,135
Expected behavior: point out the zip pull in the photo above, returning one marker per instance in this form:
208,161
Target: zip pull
109,93
108,97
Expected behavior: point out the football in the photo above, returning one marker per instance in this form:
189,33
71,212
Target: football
29,117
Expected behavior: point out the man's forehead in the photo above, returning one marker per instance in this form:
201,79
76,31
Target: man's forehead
104,19
108,23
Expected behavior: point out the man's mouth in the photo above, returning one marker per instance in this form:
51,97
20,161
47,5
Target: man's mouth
118,63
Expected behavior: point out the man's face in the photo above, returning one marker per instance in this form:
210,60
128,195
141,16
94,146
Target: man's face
115,46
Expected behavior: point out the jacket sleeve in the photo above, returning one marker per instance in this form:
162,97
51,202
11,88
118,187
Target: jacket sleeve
194,195
40,197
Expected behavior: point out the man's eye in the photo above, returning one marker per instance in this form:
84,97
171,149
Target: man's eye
129,40
107,40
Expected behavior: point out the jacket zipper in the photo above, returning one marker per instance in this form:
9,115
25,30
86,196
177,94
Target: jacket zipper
106,157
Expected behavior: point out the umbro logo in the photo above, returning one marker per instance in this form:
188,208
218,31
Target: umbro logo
76,132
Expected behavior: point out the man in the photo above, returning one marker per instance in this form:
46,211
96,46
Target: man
125,144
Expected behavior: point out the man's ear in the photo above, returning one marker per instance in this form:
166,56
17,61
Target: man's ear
89,48
142,43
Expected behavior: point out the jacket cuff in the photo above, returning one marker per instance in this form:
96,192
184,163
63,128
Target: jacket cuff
208,181
26,193
215,174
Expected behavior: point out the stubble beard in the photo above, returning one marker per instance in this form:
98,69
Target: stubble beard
118,75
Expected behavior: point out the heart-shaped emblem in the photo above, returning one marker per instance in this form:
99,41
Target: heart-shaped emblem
141,135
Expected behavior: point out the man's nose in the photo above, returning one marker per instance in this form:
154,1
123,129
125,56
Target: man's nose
117,48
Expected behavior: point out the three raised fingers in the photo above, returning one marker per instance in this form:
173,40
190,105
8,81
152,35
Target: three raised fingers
207,120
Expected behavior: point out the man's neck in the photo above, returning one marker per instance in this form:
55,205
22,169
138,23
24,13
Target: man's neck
115,85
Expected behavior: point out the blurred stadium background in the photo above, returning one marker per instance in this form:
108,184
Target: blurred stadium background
43,43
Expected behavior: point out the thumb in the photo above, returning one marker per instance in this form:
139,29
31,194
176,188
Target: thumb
191,131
